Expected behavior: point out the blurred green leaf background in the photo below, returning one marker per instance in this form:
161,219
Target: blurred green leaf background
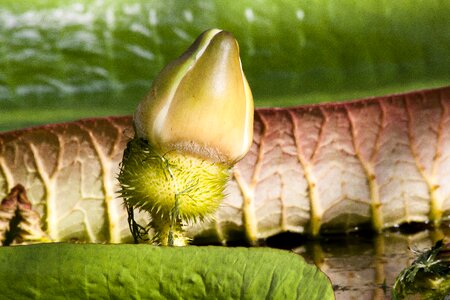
65,60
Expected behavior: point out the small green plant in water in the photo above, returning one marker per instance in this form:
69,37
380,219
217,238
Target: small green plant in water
428,277
192,127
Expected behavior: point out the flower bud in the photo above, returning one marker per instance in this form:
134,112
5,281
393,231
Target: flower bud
195,123
200,103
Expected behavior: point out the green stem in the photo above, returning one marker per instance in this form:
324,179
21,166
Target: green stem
168,230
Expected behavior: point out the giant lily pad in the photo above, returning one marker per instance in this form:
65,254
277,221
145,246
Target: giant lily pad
377,162
65,59
70,271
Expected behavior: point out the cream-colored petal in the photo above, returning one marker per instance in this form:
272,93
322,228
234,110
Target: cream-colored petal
201,103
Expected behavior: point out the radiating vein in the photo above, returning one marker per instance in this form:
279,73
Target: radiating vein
111,214
49,196
435,202
315,217
375,203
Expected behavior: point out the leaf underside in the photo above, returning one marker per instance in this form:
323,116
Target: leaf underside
378,162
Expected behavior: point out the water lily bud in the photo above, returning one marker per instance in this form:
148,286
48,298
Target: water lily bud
195,123
201,103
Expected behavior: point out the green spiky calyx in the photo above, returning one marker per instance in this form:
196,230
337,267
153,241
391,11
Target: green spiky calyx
173,187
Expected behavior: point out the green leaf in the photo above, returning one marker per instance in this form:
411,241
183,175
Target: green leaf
428,277
99,57
81,271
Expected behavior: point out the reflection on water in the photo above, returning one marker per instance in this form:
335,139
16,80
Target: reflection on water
364,267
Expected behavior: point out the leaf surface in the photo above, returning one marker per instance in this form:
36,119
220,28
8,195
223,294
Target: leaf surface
376,162
93,271
93,57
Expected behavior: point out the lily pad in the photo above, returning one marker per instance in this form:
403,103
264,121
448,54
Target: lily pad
377,162
81,271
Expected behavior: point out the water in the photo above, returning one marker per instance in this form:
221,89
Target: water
362,266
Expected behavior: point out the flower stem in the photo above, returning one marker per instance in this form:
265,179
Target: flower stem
168,230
